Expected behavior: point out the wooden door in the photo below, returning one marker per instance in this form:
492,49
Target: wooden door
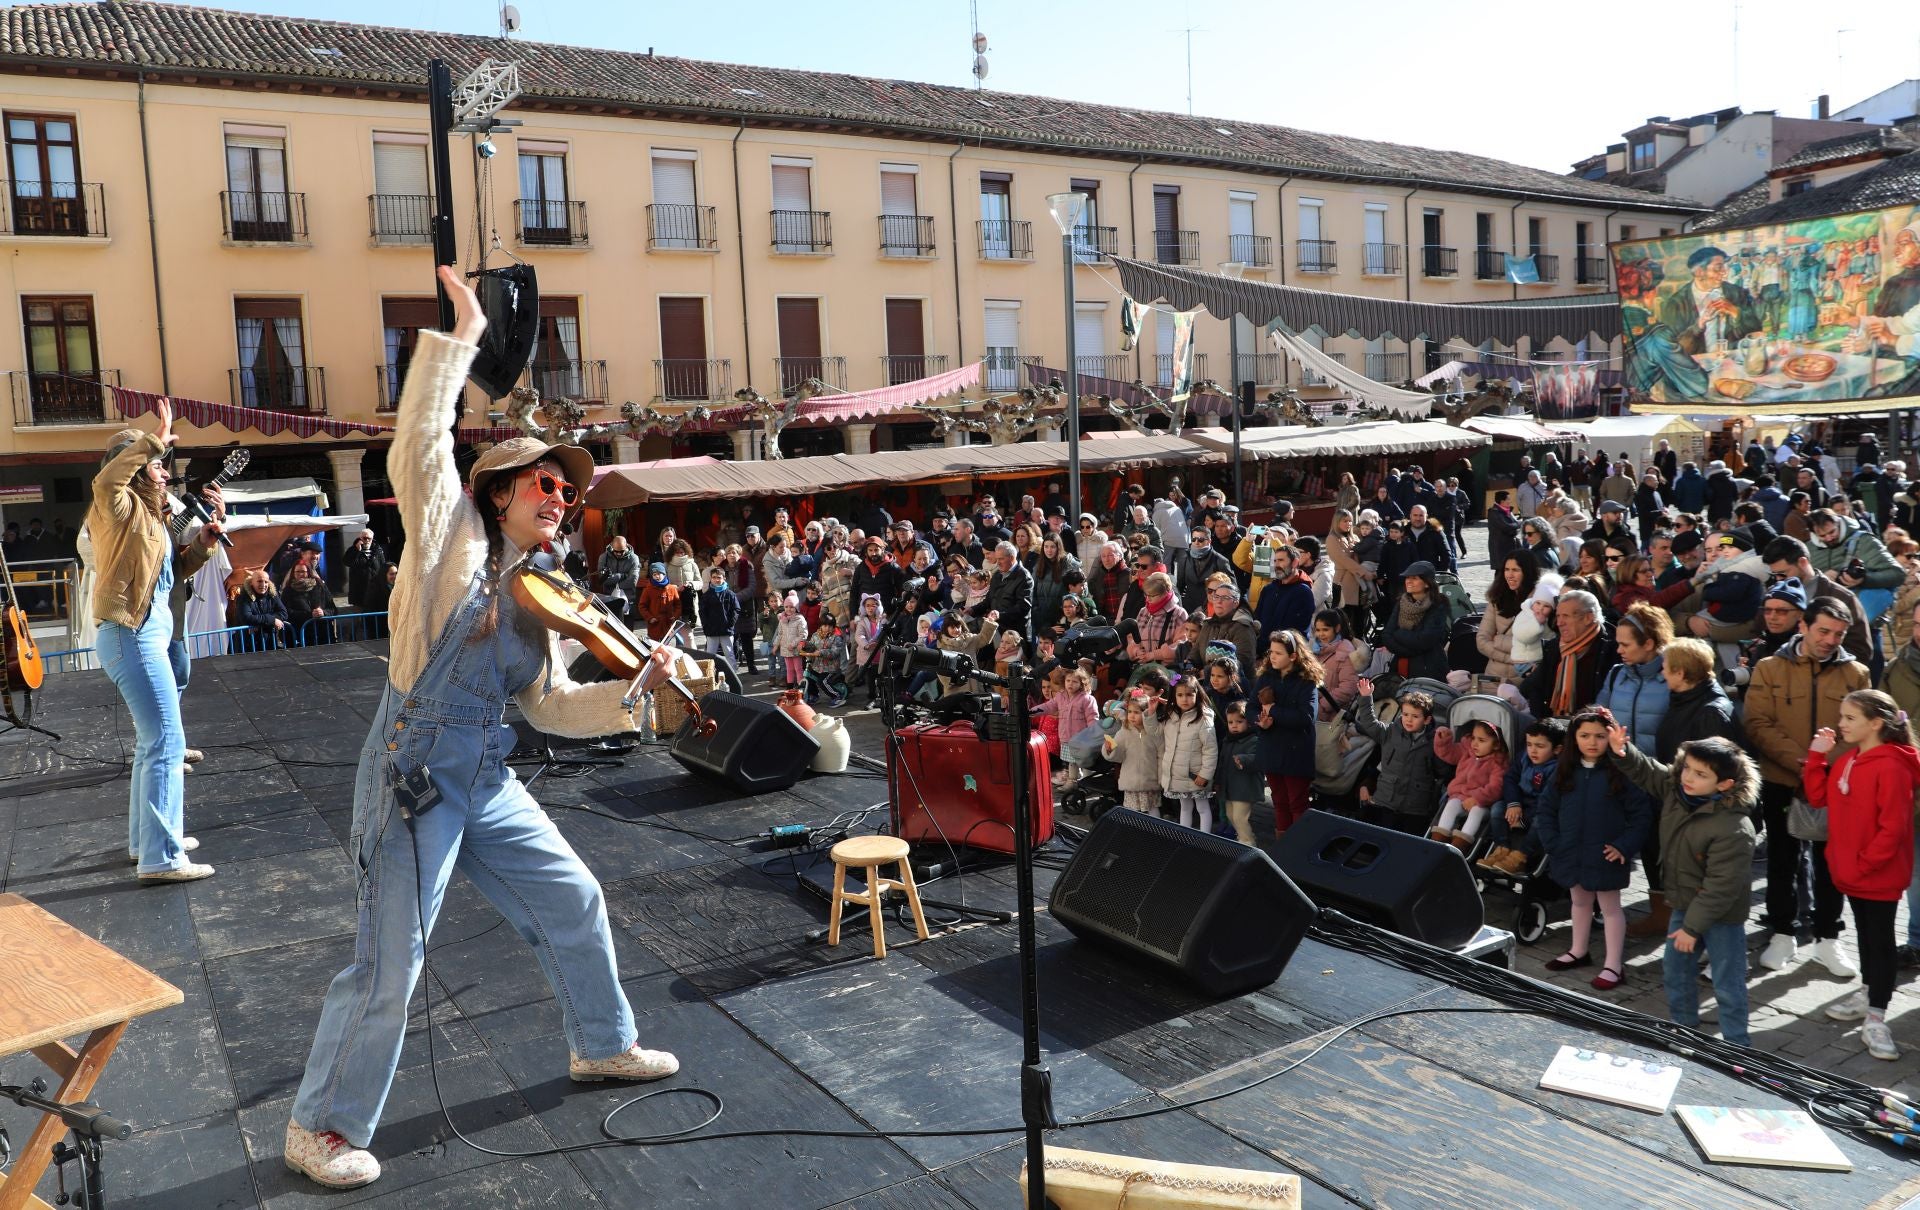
683,348
800,349
906,341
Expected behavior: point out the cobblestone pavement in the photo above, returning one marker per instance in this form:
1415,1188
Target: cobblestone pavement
1786,1008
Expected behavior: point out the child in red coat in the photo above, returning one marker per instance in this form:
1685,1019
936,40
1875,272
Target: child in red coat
1479,761
1868,797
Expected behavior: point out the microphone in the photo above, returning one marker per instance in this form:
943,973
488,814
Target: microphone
200,510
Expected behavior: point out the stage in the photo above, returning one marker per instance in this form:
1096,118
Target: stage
1433,1110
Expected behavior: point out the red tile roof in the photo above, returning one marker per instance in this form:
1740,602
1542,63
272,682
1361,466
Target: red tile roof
175,39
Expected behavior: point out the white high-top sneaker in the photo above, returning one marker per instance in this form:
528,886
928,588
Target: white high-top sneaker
327,1158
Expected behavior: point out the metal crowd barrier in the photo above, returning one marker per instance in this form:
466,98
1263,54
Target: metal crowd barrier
245,640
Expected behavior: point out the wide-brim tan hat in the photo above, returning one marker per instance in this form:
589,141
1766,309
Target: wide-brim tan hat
576,463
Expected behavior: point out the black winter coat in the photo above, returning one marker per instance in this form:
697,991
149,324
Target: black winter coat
1576,825
884,581
1697,713
1503,535
1425,646
719,609
1286,748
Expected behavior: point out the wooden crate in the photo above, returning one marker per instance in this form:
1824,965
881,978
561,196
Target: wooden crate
1092,1180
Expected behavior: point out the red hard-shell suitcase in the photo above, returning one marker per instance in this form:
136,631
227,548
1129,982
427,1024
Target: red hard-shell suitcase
948,785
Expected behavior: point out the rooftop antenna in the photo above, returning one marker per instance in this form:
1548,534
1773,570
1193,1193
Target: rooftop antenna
979,47
509,21
1190,31
1736,52
1840,57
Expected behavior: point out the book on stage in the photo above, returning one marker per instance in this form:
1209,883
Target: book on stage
1637,1083
1776,1138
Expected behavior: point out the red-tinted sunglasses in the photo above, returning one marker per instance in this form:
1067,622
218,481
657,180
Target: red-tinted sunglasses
550,483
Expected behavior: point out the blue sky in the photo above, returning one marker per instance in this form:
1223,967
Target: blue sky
1540,82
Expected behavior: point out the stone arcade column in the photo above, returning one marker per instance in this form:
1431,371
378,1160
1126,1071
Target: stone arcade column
349,492
745,444
859,438
626,449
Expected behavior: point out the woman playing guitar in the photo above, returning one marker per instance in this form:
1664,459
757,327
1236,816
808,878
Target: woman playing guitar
434,792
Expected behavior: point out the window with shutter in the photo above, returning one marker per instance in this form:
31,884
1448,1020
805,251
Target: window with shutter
402,205
1003,346
257,201
898,193
1163,349
792,207
902,230
674,216
1090,339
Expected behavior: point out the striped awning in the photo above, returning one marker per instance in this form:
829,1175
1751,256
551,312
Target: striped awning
1370,318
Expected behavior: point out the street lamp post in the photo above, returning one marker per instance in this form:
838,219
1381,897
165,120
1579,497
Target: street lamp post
1234,269
1067,209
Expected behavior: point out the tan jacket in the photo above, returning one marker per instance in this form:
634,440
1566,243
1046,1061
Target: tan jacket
129,541
1346,569
1789,699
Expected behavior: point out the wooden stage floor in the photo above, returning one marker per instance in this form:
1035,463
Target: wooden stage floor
1417,1111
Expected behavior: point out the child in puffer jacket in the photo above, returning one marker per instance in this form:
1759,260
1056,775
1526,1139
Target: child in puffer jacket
1533,624
1731,586
1403,794
1479,763
1189,754
789,636
1074,709
1135,747
1515,847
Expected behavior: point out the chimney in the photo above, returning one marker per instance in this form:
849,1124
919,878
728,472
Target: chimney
1820,109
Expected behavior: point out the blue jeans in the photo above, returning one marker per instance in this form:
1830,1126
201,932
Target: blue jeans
1727,958
141,667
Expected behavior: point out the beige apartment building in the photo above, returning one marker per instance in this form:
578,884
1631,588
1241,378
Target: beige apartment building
234,208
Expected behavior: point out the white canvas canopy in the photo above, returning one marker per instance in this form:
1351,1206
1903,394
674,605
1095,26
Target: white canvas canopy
1638,436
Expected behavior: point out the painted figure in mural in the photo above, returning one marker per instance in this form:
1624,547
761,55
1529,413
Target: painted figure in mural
1709,304
1896,315
1655,356
1768,295
1803,286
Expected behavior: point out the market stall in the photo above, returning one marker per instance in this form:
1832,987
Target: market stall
1637,436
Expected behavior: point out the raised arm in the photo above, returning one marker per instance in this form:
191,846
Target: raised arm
425,480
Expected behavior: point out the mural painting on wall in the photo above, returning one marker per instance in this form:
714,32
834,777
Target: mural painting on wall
1814,312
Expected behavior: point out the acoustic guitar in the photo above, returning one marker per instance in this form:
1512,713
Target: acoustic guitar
562,605
20,666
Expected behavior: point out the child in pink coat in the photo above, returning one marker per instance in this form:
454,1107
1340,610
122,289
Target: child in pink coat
1076,710
1479,761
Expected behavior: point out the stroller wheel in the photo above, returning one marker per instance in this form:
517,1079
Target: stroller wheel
1530,921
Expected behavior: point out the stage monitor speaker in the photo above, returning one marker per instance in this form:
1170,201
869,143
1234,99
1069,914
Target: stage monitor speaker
510,298
1218,912
1406,884
754,745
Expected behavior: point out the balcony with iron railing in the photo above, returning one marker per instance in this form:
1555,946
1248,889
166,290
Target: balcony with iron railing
1117,366
558,224
1592,270
1316,255
1489,264
400,219
1253,251
1171,247
1092,245
1438,260
681,228
298,389
802,232
54,209
906,236
1313,378
795,370
1163,368
1387,367
584,382
1547,266
1005,369
263,218
1261,369
897,368
1380,260
50,399
692,379
1008,239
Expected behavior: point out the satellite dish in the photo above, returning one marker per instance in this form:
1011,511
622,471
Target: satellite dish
979,44
510,19
980,67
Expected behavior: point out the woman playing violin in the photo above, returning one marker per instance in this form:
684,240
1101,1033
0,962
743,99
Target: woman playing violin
434,794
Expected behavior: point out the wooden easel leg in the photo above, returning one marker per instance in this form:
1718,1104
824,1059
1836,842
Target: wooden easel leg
833,914
81,1074
913,897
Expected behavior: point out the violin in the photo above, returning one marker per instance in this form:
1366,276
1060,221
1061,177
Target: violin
564,606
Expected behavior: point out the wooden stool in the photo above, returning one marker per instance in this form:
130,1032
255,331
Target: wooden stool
869,853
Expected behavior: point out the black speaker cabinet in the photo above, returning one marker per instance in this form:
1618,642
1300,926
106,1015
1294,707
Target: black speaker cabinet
1406,884
1216,911
755,745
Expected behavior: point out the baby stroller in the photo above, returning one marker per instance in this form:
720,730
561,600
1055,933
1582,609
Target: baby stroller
1463,711
1097,788
1538,901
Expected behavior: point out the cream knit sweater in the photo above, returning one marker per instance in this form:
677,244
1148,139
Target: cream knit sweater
446,546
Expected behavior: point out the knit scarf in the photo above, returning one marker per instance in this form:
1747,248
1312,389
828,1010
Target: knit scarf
1160,605
1414,610
1573,645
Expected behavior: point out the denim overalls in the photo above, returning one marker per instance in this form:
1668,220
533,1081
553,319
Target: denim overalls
487,826
139,664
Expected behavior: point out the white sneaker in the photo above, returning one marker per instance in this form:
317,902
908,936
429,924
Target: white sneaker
185,768
1853,1008
194,756
1780,951
634,1064
191,872
329,1159
187,845
1829,954
1879,1039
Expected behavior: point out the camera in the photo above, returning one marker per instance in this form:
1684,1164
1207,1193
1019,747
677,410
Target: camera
486,149
1855,570
1736,678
